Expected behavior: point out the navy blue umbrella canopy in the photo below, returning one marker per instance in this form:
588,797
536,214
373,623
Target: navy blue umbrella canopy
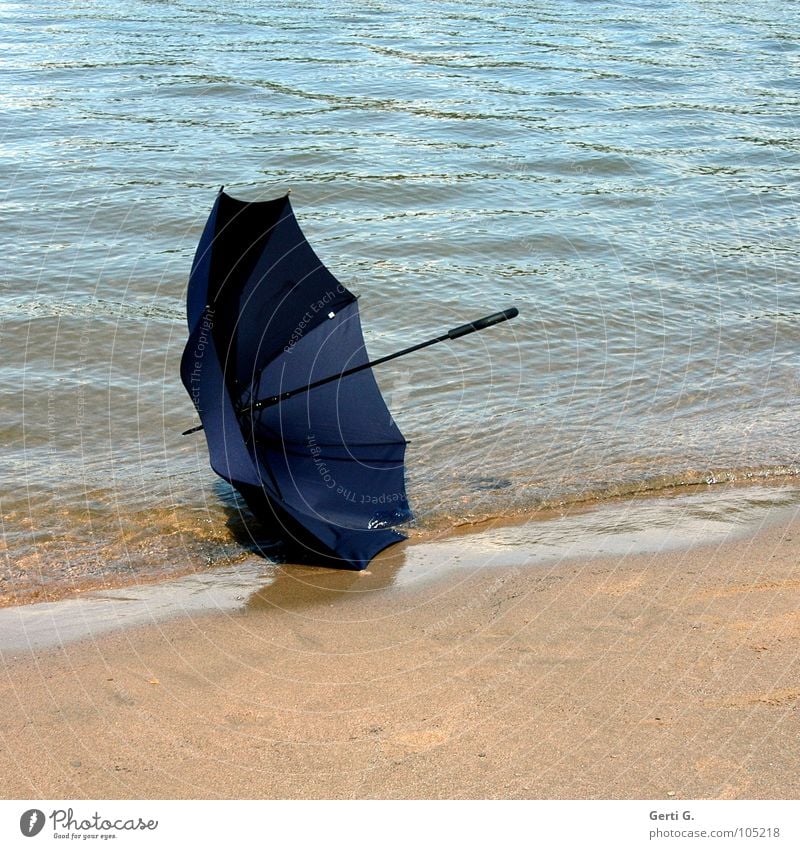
265,318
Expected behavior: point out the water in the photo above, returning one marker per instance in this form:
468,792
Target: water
624,174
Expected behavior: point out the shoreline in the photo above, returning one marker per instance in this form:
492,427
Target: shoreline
86,586
680,519
651,669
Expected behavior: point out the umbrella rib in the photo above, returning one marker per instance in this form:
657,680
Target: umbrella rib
336,306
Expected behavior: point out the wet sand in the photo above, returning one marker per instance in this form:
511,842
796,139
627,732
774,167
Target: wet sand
667,672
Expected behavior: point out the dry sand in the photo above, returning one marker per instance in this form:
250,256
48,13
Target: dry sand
625,676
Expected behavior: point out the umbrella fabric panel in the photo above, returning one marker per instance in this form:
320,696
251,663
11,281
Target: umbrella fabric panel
277,293
197,296
344,548
350,410
344,492
241,230
202,376
334,451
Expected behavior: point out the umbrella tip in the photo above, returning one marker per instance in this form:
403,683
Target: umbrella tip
288,192
220,190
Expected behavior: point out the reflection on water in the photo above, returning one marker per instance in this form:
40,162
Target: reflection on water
298,588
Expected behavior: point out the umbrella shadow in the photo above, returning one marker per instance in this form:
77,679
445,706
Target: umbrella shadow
299,580
297,587
250,533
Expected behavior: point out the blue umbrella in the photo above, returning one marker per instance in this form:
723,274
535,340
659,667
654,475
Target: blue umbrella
278,371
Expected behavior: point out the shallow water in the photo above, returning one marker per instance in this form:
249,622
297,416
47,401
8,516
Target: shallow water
614,529
623,174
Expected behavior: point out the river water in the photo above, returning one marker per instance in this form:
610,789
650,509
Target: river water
624,174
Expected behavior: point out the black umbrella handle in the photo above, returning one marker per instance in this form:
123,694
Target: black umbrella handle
481,323
455,333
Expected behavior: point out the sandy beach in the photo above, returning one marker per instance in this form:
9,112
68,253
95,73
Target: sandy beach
666,673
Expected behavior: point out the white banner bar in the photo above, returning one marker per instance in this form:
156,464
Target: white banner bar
414,824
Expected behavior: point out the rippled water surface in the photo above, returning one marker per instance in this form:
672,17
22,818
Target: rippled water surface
625,174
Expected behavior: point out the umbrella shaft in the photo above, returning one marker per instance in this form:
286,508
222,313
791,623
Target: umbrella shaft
284,396
455,333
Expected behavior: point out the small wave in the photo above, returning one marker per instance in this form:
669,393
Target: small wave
88,307
686,481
